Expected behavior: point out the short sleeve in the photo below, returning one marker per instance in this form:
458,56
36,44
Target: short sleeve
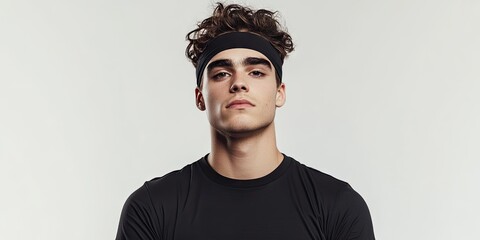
350,219
138,220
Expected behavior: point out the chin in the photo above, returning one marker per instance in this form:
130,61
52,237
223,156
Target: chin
240,129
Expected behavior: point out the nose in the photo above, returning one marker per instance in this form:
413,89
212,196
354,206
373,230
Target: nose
239,85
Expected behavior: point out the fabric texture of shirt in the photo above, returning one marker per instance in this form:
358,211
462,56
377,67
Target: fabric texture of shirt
293,202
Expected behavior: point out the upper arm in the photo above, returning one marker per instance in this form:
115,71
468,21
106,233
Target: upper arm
138,220
350,218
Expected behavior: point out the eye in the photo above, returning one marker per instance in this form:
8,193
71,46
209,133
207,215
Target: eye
257,73
220,75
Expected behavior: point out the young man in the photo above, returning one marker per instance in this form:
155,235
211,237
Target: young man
245,188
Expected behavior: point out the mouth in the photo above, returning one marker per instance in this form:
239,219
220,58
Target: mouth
240,103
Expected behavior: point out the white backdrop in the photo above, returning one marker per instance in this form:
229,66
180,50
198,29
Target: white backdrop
96,97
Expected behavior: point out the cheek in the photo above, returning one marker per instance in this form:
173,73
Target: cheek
269,101
213,103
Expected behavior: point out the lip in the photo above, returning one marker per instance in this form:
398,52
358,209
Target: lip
240,103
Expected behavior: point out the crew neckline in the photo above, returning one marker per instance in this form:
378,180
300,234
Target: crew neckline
247,183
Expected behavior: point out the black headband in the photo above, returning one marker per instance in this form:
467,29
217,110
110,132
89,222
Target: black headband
239,40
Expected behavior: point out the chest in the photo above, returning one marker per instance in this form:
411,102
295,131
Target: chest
273,212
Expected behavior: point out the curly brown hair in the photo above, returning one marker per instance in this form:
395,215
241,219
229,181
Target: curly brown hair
234,17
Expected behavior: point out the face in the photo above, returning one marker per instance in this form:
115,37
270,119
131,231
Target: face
239,92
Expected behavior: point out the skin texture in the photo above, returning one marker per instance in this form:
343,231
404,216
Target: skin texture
242,135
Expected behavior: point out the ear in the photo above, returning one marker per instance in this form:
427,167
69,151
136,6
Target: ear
199,101
281,96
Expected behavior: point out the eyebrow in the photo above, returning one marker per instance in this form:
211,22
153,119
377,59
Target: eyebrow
219,63
246,62
256,61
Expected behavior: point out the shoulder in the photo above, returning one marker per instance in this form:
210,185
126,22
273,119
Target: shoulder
328,187
162,190
164,184
171,180
166,189
347,212
145,209
323,182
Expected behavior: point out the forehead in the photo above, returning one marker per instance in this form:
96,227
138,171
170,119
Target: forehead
237,55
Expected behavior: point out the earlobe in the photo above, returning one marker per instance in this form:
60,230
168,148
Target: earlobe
199,101
200,106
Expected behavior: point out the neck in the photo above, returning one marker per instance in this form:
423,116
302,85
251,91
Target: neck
249,156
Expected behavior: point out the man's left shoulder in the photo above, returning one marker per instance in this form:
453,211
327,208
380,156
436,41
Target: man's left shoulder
321,180
328,189
347,211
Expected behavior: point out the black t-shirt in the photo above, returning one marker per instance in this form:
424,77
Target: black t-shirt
294,202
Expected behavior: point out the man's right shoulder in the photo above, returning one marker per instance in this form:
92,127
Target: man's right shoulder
152,203
171,181
161,189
